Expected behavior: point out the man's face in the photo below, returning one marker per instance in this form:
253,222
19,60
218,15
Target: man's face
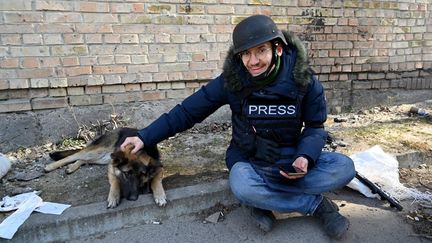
257,59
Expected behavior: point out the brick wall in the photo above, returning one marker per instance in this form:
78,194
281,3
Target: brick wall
59,53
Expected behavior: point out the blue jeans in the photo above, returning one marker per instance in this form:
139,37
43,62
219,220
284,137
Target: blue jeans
263,187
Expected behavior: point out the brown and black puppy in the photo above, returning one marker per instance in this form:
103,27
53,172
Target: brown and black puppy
128,174
132,174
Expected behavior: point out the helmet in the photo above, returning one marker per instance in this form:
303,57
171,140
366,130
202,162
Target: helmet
255,30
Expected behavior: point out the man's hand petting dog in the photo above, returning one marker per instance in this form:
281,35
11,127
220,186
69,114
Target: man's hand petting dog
135,141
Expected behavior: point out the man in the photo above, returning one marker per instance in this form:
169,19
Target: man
278,109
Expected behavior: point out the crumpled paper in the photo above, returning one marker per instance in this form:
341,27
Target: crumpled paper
25,204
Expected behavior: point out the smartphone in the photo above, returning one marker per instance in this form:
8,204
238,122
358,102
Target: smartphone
289,170
295,173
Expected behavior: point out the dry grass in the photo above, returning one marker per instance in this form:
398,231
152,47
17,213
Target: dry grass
90,132
413,134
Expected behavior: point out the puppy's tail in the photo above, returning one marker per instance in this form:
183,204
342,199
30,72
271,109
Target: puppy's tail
58,155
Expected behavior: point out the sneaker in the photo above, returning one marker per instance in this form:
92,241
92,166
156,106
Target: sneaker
335,225
263,218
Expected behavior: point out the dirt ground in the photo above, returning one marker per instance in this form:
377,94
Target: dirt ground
198,155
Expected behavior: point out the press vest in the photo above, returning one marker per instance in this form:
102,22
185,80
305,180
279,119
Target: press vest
271,116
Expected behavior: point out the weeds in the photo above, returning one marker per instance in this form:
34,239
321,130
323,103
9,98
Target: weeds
89,132
93,130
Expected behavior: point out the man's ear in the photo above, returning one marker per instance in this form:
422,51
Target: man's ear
279,50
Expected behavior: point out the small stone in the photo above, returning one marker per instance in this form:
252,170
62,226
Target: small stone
333,145
423,166
28,176
213,218
342,144
340,119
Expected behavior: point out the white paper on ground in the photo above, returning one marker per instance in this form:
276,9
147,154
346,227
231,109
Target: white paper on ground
52,208
11,203
11,224
26,203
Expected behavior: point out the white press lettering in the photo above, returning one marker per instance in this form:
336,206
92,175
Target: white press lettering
252,109
291,109
281,110
263,109
272,109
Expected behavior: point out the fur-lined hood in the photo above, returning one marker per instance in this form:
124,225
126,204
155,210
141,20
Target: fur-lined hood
234,72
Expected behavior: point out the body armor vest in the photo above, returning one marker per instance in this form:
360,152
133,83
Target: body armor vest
270,116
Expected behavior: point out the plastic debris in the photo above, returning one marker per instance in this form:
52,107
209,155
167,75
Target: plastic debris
24,204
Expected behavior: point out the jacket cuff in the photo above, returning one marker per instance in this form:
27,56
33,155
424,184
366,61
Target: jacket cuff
311,162
142,134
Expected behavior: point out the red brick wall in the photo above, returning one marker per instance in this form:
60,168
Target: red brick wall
59,53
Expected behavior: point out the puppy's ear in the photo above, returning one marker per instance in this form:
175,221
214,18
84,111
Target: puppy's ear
117,156
118,153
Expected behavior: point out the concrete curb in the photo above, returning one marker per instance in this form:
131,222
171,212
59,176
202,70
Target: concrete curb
94,218
414,159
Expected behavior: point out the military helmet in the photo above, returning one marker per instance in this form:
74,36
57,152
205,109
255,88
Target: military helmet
255,30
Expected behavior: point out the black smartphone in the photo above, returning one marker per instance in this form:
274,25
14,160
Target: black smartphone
289,170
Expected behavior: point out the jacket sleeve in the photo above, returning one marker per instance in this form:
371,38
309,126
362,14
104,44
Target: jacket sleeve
314,115
194,109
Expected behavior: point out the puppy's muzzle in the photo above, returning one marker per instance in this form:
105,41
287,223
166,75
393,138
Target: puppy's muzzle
130,187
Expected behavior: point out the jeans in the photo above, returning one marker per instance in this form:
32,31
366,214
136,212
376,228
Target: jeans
263,187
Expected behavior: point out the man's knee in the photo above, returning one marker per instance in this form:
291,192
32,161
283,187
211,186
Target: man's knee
349,167
239,182
346,167
236,179
340,166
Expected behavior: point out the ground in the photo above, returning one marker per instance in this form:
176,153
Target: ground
197,156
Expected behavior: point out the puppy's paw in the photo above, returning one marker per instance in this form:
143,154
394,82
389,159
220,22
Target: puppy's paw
50,167
71,169
160,200
113,200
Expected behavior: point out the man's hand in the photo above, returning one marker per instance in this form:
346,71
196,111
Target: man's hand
135,141
300,165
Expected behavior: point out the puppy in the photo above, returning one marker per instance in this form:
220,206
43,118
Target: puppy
128,174
131,174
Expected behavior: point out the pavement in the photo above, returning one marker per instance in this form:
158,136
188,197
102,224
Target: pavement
183,220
